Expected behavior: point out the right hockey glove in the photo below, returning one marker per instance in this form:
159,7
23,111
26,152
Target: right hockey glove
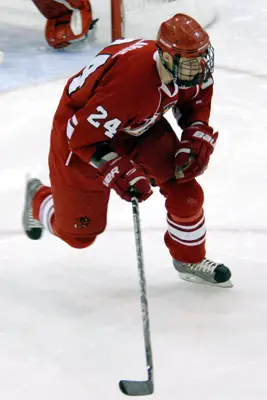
126,177
197,145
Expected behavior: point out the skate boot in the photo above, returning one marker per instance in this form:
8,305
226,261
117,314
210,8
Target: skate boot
31,226
206,272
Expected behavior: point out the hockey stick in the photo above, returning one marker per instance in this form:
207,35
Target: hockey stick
141,388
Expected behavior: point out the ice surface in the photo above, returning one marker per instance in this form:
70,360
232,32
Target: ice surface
70,324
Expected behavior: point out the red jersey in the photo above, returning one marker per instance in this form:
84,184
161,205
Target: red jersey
120,91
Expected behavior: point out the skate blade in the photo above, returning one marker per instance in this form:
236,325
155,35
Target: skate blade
196,279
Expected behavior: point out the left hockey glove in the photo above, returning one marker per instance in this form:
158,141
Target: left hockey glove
196,146
125,177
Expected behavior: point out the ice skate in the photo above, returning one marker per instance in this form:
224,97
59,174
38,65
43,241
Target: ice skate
206,272
31,226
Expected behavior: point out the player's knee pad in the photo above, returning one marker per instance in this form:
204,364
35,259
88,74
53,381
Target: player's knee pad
183,200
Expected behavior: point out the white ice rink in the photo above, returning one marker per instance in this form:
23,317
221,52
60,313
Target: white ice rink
70,324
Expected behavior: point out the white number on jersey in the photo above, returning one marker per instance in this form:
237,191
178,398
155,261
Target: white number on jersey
111,125
93,118
79,81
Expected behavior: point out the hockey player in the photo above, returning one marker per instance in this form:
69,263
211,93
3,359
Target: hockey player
68,21
109,133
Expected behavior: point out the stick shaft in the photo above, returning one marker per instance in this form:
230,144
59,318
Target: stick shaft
143,290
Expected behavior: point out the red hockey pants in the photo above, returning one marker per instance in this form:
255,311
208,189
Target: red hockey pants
75,207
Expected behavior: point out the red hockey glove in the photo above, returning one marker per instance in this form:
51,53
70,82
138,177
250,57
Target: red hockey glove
71,25
197,145
122,175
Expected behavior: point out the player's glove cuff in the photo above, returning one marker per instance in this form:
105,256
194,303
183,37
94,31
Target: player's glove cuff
102,155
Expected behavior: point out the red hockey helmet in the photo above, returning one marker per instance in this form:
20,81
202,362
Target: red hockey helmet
189,45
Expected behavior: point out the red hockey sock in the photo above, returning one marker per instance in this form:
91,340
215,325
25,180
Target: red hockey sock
185,237
43,207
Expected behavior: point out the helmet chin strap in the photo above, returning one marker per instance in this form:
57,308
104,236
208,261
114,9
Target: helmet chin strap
175,68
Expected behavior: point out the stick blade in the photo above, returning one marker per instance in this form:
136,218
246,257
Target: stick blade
136,388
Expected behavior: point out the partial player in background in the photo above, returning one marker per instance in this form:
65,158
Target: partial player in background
109,132
68,21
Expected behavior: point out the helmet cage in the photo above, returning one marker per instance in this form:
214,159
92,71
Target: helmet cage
188,72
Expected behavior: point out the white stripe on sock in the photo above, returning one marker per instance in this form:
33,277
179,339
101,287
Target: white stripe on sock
46,211
190,244
186,227
188,236
49,217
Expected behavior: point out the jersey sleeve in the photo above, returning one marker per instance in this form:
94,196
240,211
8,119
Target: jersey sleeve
194,105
